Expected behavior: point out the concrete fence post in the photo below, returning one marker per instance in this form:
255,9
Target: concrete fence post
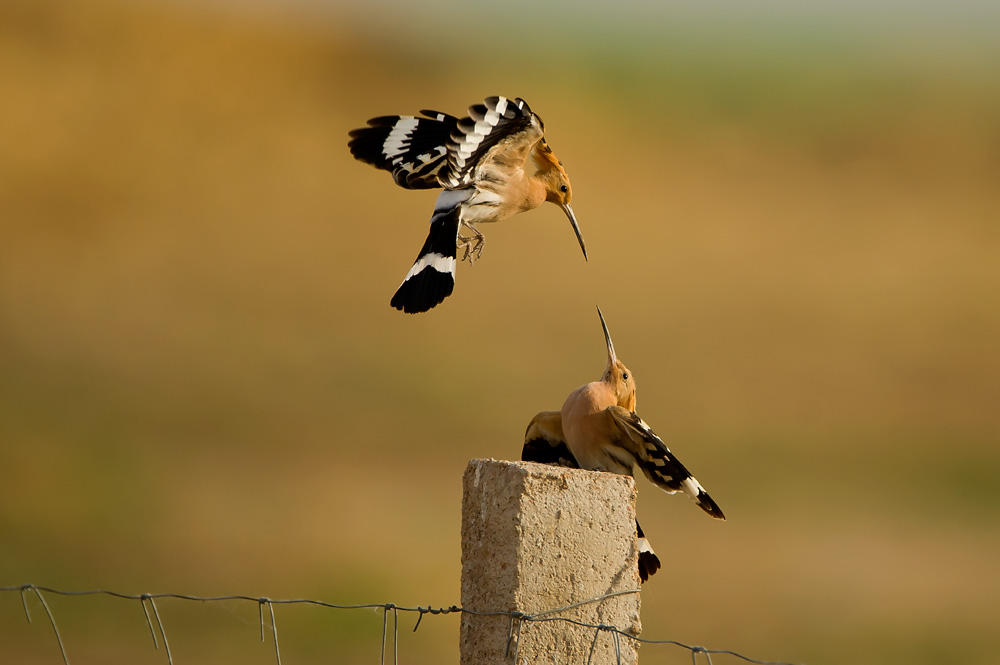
537,538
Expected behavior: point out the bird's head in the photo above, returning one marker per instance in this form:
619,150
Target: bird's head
557,187
617,376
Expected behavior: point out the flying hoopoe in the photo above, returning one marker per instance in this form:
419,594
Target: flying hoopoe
598,429
492,164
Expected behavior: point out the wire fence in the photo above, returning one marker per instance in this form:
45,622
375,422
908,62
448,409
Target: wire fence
517,620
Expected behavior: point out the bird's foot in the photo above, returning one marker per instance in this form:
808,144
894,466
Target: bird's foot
473,247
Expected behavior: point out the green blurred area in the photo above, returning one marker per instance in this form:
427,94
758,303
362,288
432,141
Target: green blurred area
793,232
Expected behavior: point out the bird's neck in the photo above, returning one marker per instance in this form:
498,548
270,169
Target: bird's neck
535,193
626,401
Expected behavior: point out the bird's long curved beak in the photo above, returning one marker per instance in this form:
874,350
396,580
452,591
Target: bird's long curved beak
568,209
612,358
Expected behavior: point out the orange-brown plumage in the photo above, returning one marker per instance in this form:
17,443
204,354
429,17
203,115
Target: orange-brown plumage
598,429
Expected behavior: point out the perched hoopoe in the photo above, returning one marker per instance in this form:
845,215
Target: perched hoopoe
492,164
598,429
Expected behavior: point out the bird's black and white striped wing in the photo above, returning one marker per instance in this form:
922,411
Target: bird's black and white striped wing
412,148
496,119
657,462
544,441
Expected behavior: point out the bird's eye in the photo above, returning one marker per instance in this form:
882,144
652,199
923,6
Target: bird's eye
564,189
625,376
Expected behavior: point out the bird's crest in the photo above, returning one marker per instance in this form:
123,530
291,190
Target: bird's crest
617,375
551,170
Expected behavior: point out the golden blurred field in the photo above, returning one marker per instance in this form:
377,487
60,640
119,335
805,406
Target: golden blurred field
793,234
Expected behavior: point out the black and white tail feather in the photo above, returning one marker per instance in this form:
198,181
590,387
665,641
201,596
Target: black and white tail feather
432,277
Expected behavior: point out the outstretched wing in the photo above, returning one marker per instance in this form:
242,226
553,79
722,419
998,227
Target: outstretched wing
489,123
656,460
412,148
544,441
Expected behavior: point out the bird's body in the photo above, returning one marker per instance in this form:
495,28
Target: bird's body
590,429
598,429
493,164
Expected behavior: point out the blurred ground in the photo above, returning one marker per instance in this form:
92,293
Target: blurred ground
794,236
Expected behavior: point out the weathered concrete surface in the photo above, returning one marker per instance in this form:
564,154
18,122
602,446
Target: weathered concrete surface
536,538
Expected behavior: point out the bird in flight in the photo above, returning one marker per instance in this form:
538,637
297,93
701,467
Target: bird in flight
492,164
598,429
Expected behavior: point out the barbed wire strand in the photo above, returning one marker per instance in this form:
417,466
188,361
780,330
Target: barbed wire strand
149,622
593,645
520,617
572,606
52,619
430,610
395,632
159,624
385,621
517,638
395,636
260,614
510,638
274,630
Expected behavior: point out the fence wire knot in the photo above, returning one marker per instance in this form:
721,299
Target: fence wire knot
430,610
695,650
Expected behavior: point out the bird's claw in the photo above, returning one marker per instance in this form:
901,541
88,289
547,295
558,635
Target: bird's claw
473,248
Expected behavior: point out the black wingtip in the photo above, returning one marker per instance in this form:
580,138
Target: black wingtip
545,452
710,506
366,142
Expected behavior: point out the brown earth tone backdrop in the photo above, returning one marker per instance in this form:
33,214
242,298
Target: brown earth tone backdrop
793,228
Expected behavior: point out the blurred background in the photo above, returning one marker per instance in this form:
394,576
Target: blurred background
792,217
